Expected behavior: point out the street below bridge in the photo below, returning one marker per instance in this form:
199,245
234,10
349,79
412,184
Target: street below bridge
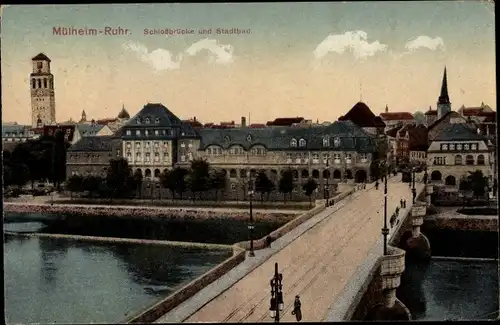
316,266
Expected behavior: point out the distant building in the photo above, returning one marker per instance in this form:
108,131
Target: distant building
91,155
88,130
43,105
418,144
16,133
456,151
393,119
285,121
361,115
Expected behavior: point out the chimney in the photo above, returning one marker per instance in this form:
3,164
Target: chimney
386,109
243,122
194,119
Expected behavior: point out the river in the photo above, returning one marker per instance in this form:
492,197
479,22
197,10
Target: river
64,281
461,286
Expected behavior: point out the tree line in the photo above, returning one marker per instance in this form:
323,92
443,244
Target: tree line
43,159
199,179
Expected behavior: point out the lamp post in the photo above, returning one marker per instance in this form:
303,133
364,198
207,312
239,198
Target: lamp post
414,190
250,224
385,230
327,190
277,303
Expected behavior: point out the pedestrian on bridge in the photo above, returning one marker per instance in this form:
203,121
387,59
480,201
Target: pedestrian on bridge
296,309
404,204
376,185
401,202
269,240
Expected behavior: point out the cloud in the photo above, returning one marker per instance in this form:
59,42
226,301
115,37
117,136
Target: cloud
425,42
220,53
355,41
159,59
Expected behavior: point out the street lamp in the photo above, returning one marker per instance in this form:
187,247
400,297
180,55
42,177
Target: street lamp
385,230
250,225
414,190
327,189
277,303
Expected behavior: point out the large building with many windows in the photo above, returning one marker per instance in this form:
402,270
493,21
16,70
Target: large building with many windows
155,140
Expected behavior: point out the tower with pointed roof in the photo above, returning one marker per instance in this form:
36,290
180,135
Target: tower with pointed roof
43,104
84,117
443,104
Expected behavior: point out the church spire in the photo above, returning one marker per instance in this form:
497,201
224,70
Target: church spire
443,97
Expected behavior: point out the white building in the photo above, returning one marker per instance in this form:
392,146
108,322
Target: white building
455,152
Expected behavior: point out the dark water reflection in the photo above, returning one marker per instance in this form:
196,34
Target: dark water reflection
451,290
61,281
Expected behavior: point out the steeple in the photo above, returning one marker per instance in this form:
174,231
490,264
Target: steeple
444,98
84,116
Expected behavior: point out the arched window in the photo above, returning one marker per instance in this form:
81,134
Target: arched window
469,160
450,180
157,121
305,173
148,120
302,143
139,170
232,173
157,172
51,84
33,81
326,174
45,83
147,173
39,83
293,143
295,173
480,160
436,176
458,160
315,173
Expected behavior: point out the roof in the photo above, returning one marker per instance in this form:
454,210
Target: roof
285,121
257,125
431,112
123,113
351,136
193,123
396,116
94,143
106,120
40,56
361,115
17,129
51,130
393,132
458,132
155,115
89,129
418,138
436,122
443,97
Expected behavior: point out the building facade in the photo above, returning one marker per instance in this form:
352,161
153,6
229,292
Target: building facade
88,130
454,153
92,155
394,119
43,104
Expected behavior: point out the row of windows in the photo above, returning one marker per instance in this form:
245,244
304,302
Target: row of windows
302,142
469,160
459,146
15,134
147,120
147,155
236,150
37,83
337,174
147,145
147,133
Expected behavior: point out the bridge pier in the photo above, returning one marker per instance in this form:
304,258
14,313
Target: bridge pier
414,242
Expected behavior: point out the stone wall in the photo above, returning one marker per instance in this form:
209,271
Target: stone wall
143,212
487,223
155,312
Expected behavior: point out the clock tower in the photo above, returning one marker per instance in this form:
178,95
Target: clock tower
43,104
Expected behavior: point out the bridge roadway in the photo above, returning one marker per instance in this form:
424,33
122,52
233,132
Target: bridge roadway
317,265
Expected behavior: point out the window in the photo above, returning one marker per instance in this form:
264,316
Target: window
190,156
39,66
157,121
348,157
156,144
45,83
138,120
326,142
129,145
157,156
148,120
452,146
466,146
138,156
249,138
165,156
298,158
439,161
336,142
128,132
315,158
138,132
183,145
459,146
326,157
33,83
129,156
183,158
138,145
444,146
473,146
302,143
458,160
190,145
148,144
293,143
148,157
146,132
480,160
363,157
469,160
289,158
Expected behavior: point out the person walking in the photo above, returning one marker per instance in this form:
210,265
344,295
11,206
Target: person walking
296,309
401,202
268,241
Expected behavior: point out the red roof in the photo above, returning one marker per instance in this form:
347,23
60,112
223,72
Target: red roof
472,111
361,115
396,116
257,126
431,112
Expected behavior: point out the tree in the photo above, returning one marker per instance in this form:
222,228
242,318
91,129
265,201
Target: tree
218,182
478,183
92,184
199,177
118,177
309,188
74,184
137,180
175,181
20,174
286,183
263,185
419,117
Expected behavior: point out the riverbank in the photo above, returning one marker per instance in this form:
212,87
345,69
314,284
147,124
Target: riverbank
148,212
453,220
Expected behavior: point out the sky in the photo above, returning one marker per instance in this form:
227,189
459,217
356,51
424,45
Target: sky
314,60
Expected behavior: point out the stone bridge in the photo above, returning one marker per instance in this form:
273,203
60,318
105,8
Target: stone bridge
328,260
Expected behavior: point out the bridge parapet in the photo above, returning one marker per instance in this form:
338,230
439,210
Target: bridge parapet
391,268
